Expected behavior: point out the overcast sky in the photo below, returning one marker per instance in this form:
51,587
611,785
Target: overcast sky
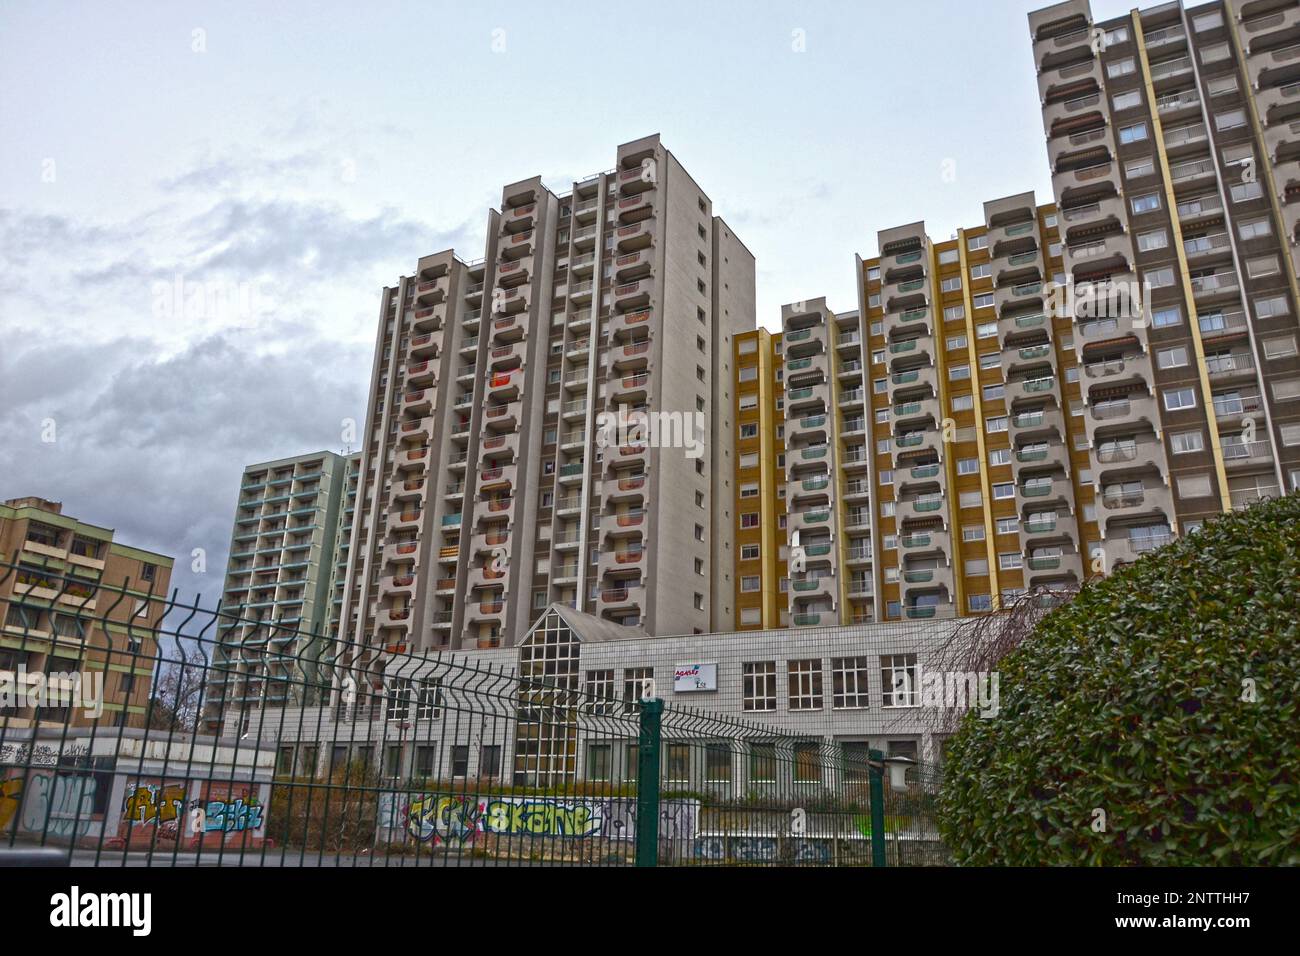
288,160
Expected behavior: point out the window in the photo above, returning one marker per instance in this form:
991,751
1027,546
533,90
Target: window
1139,168
1244,192
979,602
849,682
996,424
956,342
1178,399
958,372
600,692
758,689
984,300
1172,357
1008,525
950,284
489,761
460,760
748,521
1163,318
1000,456
598,761
953,313
749,552
634,686
1155,239
1126,101
898,680
1133,134
762,763
807,762
1149,202
1118,68
1231,119
805,684
1255,229
968,466
977,242
1004,490
976,567
717,761
1010,560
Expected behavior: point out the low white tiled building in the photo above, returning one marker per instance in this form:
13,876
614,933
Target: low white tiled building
842,689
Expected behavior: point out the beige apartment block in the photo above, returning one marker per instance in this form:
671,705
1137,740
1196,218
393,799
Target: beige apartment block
78,601
488,488
1170,134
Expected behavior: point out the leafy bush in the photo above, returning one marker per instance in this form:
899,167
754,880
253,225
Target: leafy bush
1164,696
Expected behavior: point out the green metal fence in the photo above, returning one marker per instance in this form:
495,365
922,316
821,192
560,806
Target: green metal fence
288,749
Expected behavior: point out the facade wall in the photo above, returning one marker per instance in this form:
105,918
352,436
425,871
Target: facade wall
488,489
57,617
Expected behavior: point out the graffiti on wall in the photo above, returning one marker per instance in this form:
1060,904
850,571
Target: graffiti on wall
217,808
762,849
458,819
58,805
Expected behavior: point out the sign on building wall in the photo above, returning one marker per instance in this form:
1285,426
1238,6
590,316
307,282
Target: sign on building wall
689,678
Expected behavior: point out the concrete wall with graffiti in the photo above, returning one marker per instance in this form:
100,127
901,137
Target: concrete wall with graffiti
440,819
193,811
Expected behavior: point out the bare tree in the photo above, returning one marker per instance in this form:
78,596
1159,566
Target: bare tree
178,689
977,645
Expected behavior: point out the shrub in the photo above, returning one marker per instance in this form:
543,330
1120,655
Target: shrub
1164,697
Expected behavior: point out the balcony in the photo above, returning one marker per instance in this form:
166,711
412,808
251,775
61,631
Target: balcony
1031,389
501,417
638,235
633,295
426,346
630,389
414,459
626,324
428,320
920,508
1226,366
622,599
418,402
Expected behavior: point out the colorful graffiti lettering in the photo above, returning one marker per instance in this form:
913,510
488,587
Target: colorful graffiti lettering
746,849
443,818
238,814
432,817
153,804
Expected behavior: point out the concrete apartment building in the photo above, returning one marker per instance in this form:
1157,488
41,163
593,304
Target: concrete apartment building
291,522
78,601
927,448
1170,134
488,489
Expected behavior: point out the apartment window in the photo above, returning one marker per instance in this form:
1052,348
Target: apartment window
1207,21
758,687
972,532
1255,229
970,499
958,372
1290,438
1008,525
1126,101
1003,490
699,532
489,761
805,684
1244,192
750,583
1159,278
1149,202
963,403
986,330
1133,134
1118,68
873,300
975,243
1010,560
699,499
748,521
1178,399
1155,239
1116,36
990,360
699,566
950,284
979,603
994,392
995,424
1279,347
1000,456
1194,486
1172,357
634,686
956,342
1263,266
898,680
699,601
1163,318
968,466
952,313
982,271
749,552
1139,168
1271,307
1230,120
984,300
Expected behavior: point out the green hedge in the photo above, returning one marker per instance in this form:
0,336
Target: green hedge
1129,700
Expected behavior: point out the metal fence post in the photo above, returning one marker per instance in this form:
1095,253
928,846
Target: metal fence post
647,784
876,772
